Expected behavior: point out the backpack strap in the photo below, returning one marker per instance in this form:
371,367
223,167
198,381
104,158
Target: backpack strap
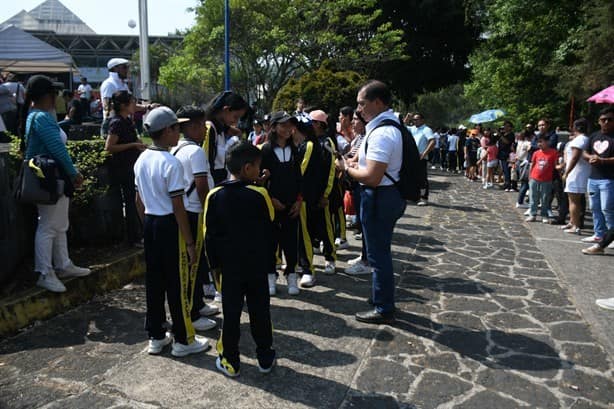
385,122
193,185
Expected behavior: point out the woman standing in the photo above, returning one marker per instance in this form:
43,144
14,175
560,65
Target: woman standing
576,175
125,146
43,136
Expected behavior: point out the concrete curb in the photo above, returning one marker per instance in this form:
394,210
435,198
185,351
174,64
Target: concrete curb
38,304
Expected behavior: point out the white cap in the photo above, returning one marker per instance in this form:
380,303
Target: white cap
114,62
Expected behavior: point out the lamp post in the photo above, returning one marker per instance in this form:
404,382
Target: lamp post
227,45
144,50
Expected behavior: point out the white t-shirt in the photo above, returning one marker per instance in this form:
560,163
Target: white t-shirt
577,179
110,86
195,164
422,136
522,150
85,91
384,144
158,177
452,143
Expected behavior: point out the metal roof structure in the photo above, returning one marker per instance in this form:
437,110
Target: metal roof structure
50,15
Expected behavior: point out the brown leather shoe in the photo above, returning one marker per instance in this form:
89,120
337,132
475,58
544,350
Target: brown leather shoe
593,250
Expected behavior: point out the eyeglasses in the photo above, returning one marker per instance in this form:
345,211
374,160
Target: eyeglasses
606,119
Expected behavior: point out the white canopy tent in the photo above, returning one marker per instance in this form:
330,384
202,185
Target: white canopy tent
21,52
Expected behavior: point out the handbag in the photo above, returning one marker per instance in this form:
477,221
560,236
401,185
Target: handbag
38,181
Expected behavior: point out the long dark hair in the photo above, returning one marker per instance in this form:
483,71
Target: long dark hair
224,99
120,98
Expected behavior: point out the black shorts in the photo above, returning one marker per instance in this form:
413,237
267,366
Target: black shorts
472,159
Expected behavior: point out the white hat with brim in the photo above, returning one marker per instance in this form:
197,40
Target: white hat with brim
160,118
114,62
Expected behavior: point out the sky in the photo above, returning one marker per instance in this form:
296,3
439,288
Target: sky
111,16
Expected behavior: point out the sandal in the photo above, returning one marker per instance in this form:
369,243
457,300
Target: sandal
567,226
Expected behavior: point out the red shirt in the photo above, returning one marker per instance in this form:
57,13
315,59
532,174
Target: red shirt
543,163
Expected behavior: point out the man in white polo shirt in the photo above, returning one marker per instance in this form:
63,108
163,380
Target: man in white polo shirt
425,139
381,204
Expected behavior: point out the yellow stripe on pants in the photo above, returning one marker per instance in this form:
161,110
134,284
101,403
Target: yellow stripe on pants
307,244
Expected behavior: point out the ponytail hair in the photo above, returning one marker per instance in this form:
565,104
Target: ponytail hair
23,119
120,98
224,99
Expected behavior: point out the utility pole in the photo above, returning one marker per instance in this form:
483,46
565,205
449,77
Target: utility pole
227,44
144,50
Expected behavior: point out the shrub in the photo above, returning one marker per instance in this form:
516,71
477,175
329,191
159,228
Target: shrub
323,89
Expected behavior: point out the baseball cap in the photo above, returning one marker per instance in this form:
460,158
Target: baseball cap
114,62
160,118
318,115
280,117
39,85
190,112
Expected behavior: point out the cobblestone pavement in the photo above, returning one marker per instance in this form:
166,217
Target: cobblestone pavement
484,321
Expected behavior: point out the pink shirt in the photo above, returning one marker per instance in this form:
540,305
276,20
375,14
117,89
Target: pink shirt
493,151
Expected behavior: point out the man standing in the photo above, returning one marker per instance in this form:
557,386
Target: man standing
16,95
118,75
85,94
600,154
425,139
381,204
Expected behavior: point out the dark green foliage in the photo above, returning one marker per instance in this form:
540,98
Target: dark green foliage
322,89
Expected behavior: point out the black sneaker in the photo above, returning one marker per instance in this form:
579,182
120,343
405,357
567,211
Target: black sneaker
375,317
266,366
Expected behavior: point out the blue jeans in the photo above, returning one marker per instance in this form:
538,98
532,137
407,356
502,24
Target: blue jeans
379,211
540,191
601,193
507,174
524,188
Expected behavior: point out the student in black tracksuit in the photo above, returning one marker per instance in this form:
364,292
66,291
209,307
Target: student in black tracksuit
280,161
235,213
319,216
311,169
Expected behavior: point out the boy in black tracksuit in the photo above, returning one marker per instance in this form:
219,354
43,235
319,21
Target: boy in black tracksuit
235,213
319,216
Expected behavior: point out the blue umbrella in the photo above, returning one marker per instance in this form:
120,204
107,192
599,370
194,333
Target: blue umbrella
486,116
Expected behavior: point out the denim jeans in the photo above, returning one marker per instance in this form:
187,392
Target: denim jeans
540,191
524,188
507,174
380,208
601,193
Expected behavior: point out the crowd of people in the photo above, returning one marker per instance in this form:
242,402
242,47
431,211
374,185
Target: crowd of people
197,198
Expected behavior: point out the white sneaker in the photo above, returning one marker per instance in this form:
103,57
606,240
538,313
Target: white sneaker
226,368
422,202
522,206
607,303
307,280
272,281
200,344
611,245
527,212
217,297
341,244
484,186
545,220
358,269
530,219
209,310
74,271
358,236
321,247
292,286
204,324
157,345
50,282
316,250
355,261
329,267
591,239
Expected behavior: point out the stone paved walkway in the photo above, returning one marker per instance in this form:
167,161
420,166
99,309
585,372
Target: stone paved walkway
483,322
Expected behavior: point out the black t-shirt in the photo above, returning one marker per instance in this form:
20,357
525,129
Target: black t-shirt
603,146
505,146
472,145
126,133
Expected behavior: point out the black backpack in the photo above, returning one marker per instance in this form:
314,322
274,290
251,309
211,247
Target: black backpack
413,173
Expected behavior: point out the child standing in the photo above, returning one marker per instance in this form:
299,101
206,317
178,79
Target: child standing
234,212
491,164
280,159
159,198
541,174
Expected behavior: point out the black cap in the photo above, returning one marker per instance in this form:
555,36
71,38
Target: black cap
280,117
267,118
39,85
190,112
